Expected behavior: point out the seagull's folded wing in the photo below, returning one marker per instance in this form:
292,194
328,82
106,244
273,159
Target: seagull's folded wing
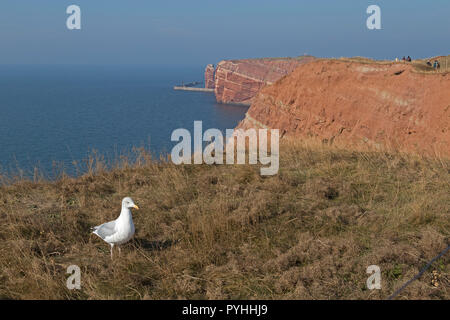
105,230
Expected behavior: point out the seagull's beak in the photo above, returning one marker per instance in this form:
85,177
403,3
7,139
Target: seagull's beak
136,207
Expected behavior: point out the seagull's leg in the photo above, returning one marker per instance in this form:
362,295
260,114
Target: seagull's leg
112,246
119,250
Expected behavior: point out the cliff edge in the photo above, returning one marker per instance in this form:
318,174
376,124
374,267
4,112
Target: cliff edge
238,81
389,104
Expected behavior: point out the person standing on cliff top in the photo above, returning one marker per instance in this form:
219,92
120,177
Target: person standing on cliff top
436,65
409,59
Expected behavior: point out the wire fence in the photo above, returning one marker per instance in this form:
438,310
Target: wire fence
417,276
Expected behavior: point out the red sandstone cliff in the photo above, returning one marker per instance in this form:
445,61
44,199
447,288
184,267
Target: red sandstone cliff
359,103
238,81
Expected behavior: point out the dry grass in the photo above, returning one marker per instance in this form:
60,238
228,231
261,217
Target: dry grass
225,232
275,58
365,60
420,65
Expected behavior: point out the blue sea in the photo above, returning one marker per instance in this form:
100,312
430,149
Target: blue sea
53,116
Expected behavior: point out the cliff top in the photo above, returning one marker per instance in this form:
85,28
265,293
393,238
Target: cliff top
419,65
272,58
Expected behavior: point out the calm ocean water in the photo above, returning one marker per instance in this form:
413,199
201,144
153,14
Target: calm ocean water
51,116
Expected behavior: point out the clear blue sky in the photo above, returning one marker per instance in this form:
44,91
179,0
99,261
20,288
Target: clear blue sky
196,32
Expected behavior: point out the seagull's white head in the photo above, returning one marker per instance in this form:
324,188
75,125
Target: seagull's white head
129,203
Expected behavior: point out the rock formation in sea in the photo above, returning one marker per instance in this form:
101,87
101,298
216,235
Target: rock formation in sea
389,104
209,76
238,81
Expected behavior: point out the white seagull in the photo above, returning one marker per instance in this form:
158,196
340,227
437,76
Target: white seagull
119,231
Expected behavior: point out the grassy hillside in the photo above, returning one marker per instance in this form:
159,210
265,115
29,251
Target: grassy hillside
220,232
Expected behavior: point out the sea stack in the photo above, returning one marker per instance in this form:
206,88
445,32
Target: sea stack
209,76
